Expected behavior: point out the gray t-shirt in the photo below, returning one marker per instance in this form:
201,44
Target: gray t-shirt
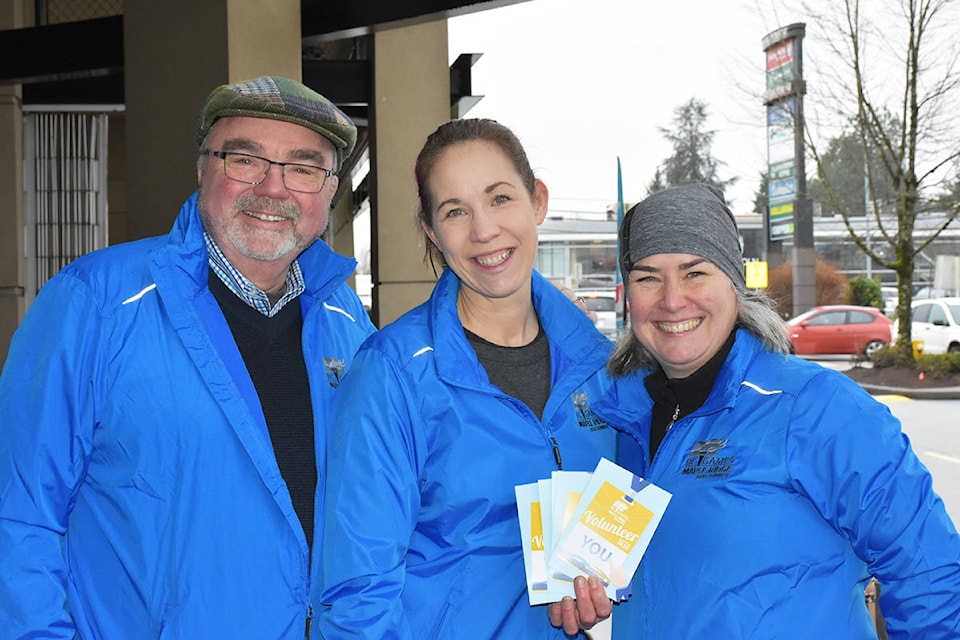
520,372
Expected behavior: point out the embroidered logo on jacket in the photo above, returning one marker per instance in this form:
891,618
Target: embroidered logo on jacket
703,461
586,417
336,368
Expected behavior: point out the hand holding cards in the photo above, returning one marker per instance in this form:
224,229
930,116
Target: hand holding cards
578,523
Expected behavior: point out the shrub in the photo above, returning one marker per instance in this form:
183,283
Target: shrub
938,364
865,292
885,357
831,286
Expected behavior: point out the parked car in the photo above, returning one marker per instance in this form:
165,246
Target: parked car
936,324
930,293
840,329
603,303
890,297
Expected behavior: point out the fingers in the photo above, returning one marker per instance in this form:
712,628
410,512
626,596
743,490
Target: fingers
553,610
568,611
591,606
602,605
584,605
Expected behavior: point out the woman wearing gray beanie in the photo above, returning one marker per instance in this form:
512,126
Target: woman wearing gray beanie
791,485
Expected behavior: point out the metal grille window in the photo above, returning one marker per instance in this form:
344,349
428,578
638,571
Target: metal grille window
65,191
58,11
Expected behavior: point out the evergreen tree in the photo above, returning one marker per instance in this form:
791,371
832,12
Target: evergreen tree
846,164
692,159
761,201
657,183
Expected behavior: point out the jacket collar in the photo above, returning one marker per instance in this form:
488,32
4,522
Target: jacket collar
628,402
573,338
745,349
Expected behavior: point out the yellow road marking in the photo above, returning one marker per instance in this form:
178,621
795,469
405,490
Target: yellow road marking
934,454
891,397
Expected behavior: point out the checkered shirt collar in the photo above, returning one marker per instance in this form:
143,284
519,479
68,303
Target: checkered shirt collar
245,289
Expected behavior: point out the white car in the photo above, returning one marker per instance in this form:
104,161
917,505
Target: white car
603,303
890,296
936,323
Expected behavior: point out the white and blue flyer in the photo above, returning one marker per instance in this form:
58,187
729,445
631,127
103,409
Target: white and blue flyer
606,536
534,556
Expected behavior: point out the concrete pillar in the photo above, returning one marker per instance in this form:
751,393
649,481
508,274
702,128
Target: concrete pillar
176,52
411,98
339,232
13,15
804,279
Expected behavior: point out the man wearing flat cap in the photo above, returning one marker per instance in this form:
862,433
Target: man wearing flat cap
164,401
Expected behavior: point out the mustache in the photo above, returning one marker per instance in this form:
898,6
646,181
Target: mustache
283,208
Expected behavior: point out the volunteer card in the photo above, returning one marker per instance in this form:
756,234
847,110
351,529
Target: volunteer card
611,528
546,516
566,490
531,531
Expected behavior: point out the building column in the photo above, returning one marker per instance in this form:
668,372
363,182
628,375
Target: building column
411,97
804,279
176,52
339,231
13,15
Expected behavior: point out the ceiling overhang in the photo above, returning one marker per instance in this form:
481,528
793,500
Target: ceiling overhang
321,21
82,62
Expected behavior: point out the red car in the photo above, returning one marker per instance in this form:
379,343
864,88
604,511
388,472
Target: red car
840,329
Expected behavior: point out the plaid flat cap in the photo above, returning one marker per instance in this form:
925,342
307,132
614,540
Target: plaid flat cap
280,98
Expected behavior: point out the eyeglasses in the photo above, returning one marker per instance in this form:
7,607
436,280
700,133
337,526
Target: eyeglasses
251,169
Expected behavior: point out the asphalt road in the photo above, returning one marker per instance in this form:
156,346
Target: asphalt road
934,433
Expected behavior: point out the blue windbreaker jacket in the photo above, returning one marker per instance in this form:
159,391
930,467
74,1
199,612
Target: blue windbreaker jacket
139,493
422,533
791,486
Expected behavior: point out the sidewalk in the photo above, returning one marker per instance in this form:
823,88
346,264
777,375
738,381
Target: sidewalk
843,363
942,393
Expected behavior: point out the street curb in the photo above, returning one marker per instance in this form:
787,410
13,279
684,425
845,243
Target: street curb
941,393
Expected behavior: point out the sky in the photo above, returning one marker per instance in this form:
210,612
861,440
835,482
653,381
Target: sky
583,83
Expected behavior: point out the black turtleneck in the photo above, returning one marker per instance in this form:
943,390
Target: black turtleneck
674,398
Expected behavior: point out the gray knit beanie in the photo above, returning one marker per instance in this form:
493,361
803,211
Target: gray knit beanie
692,218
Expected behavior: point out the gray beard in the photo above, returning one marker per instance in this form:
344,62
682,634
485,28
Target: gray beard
287,243
282,245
